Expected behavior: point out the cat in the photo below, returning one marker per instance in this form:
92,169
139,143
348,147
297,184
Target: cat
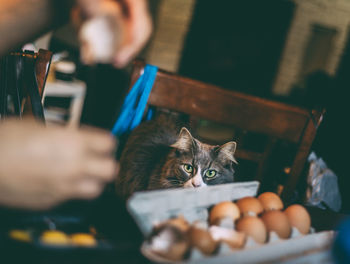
158,154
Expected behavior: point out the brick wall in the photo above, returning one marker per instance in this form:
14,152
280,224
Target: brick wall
173,19
329,13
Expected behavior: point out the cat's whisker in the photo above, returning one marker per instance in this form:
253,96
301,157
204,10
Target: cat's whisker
171,183
175,182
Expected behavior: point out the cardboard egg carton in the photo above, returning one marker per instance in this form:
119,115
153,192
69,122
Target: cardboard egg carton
153,207
312,248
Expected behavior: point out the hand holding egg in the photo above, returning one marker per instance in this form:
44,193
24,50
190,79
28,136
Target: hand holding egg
111,31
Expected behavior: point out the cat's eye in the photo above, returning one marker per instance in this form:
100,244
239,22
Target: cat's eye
188,168
210,173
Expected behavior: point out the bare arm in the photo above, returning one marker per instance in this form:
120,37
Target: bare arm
22,21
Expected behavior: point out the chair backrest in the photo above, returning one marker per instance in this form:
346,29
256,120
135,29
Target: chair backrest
277,121
23,75
42,67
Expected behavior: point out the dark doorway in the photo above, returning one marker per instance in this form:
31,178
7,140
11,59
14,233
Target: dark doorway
237,44
318,50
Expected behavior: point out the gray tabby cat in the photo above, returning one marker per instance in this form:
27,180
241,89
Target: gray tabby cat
158,156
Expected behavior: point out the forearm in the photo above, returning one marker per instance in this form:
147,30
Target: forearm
22,21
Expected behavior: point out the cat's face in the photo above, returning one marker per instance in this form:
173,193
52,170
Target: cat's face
195,164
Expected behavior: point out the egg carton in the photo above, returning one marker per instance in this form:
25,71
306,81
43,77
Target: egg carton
152,207
224,251
276,250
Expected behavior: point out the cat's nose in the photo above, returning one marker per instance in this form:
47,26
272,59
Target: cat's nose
195,184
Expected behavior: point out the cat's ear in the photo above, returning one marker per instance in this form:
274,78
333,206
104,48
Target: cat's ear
185,140
227,151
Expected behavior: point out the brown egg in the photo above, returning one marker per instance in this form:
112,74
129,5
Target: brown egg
201,239
169,242
299,218
270,201
254,227
223,210
277,221
231,237
250,206
179,222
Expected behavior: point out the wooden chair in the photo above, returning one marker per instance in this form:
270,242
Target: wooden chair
23,76
277,121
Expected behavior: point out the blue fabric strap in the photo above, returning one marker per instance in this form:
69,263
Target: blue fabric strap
135,102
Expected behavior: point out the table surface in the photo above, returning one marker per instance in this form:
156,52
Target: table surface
111,216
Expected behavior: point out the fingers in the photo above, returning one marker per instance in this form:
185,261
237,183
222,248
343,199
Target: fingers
98,165
138,25
88,189
129,52
99,142
90,154
101,169
131,48
89,7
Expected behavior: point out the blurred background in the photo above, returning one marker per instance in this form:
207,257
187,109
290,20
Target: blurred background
294,51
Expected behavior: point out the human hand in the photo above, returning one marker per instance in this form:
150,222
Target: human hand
43,166
112,31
